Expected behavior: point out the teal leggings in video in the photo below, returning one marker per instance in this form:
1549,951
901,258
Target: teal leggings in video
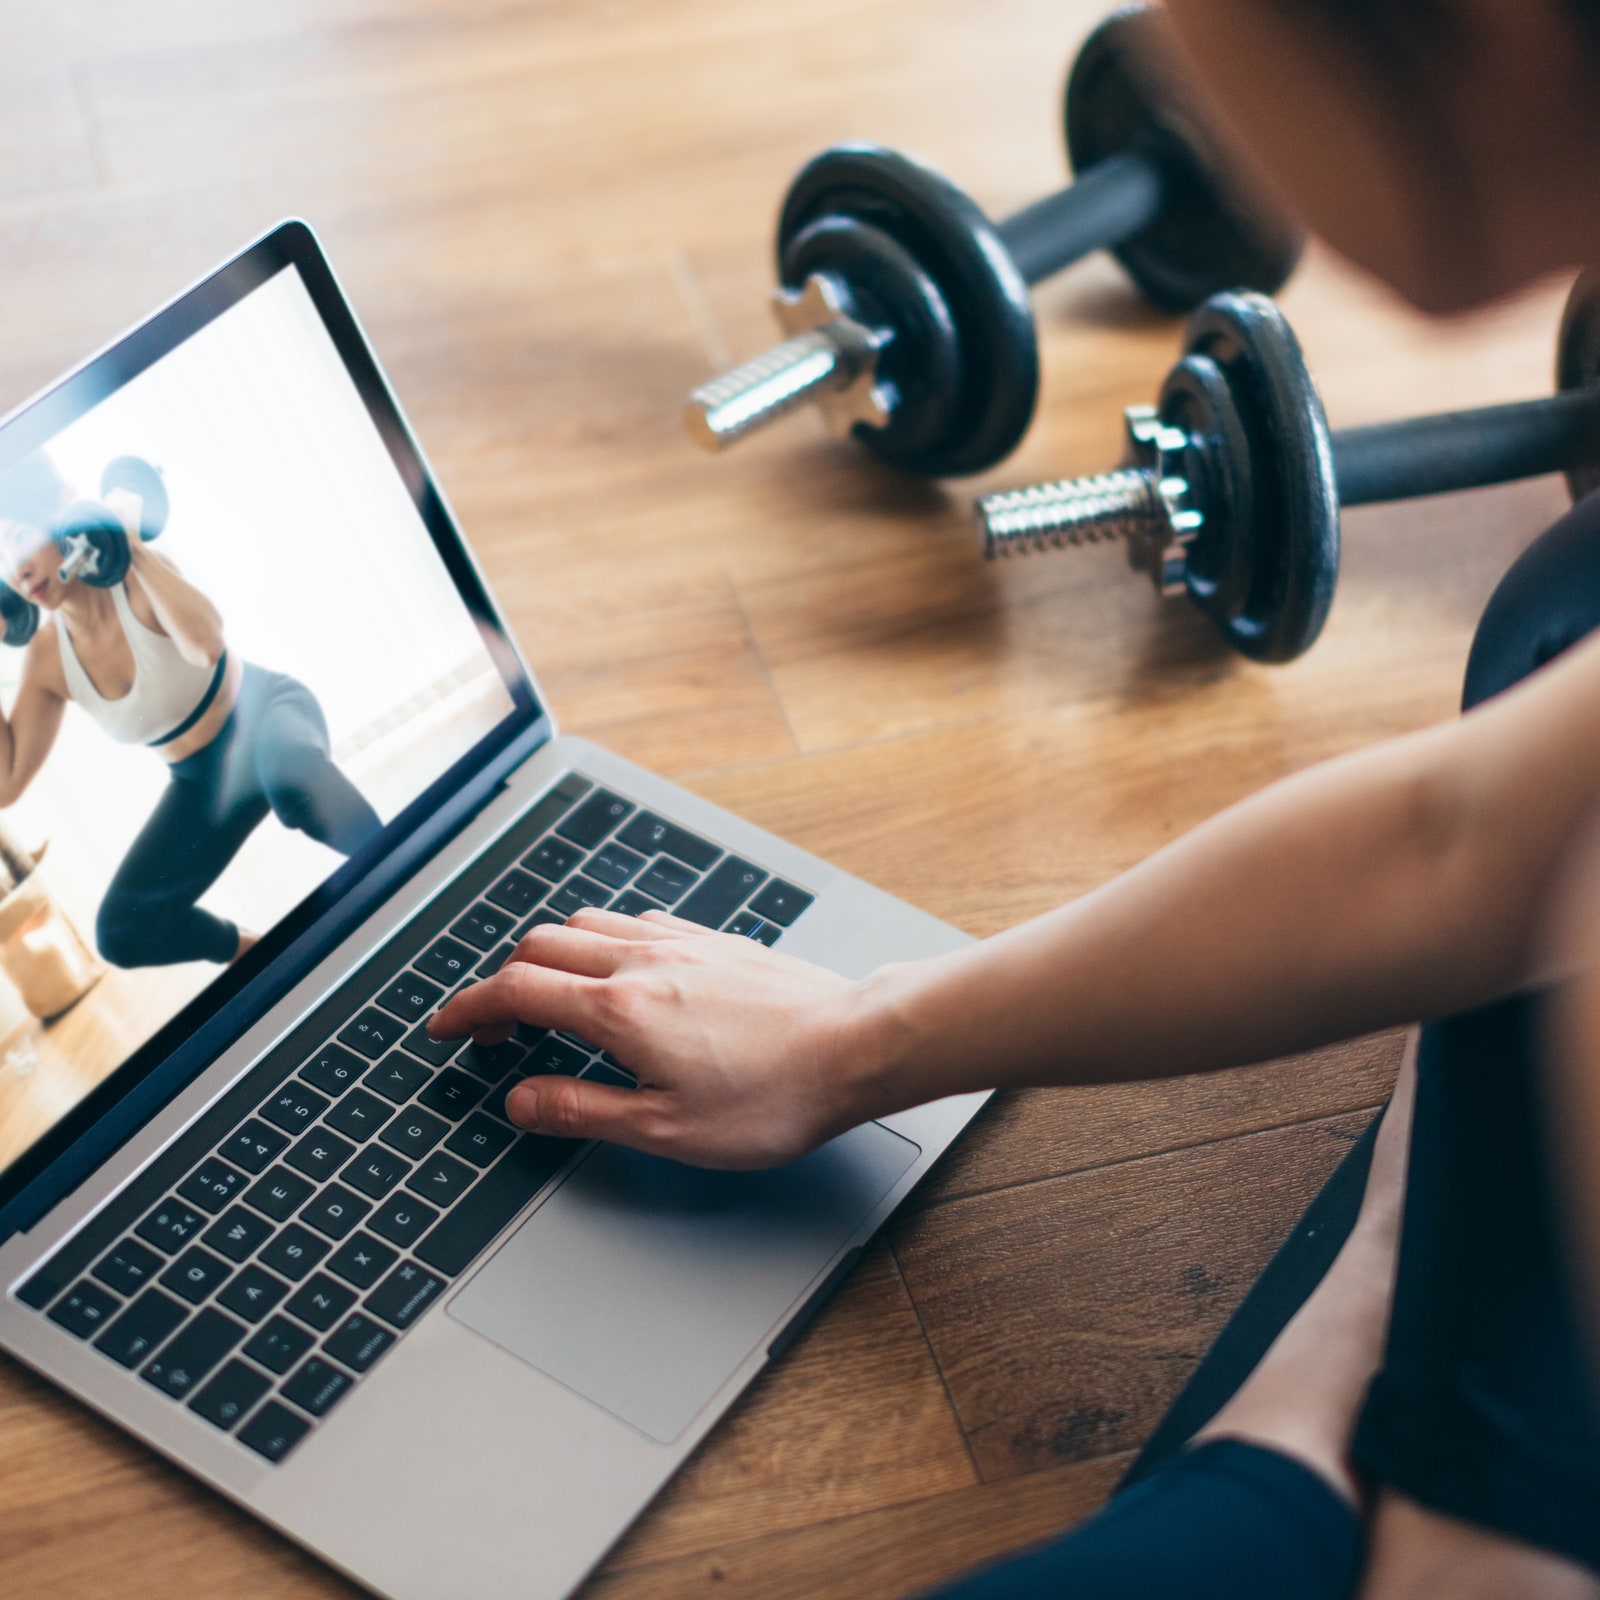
271,757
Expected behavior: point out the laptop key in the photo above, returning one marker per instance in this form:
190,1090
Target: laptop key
483,926
333,1069
725,889
317,1387
359,1115
335,1211
294,1252
781,902
479,1140
552,859
357,1342
441,1179
375,1171
294,1107
631,903
195,1274
170,1226
410,997
452,1094
254,1147
749,926
404,1295
419,1042
649,833
402,1220
413,1133
613,865
273,1431
84,1309
495,959
361,1261
320,1154
278,1194
397,1077
576,893
184,1360
141,1327
667,881
372,1033
447,961
212,1184
237,1233
279,1344
595,818
491,1062
555,1057
253,1293
127,1267
518,892
230,1394
542,918
320,1302
496,1198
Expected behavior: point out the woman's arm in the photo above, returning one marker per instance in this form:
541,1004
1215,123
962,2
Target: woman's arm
1397,883
186,616
27,735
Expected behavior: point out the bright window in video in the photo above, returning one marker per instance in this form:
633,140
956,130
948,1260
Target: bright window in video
231,654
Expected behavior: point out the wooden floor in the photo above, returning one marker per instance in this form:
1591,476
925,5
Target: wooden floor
555,218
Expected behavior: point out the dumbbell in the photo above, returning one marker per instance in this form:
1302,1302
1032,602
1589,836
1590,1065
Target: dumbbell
907,309
1231,486
92,541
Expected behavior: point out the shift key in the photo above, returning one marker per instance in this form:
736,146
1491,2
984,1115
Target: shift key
493,1201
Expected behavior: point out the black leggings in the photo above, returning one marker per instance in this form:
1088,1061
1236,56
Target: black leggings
271,756
1485,1409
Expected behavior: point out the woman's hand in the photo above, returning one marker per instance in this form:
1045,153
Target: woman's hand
745,1057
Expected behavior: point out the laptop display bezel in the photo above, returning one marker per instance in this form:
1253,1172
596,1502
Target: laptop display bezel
86,1136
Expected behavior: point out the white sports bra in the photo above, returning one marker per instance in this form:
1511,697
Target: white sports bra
166,690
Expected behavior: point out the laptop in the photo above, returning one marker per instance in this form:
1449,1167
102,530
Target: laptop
249,1210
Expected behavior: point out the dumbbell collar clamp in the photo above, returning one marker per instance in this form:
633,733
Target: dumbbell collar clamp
1159,543
821,305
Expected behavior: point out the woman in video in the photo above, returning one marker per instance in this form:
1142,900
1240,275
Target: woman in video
147,660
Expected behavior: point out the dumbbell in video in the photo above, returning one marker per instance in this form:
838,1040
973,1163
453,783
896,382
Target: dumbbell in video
907,310
92,540
1231,487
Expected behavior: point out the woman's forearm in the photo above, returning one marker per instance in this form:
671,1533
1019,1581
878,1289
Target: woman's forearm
1397,883
191,621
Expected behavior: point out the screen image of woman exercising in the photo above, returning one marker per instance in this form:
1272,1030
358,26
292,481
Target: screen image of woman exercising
145,654
231,654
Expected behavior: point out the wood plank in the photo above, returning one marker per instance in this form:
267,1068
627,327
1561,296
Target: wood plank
1065,1315
881,1555
1032,1134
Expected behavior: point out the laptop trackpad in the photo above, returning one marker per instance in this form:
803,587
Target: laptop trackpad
642,1284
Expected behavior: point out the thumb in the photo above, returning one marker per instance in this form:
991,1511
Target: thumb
572,1108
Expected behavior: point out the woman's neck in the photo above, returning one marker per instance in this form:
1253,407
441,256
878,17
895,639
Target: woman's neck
86,611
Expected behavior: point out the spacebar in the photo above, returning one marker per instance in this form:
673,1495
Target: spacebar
493,1201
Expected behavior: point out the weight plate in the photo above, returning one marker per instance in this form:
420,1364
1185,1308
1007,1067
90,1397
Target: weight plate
1292,539
1129,91
955,246
1578,360
138,477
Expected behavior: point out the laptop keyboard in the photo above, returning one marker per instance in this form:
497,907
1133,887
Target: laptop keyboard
279,1248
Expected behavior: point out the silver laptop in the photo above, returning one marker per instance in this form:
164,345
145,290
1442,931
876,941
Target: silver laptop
249,1210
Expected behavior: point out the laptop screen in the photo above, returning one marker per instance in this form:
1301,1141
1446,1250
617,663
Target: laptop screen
244,653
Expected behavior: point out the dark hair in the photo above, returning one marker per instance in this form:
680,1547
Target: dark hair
32,491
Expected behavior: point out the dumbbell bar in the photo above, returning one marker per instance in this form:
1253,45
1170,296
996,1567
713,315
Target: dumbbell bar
1231,488
92,541
907,309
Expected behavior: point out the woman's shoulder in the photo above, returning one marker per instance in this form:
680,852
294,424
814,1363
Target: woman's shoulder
42,661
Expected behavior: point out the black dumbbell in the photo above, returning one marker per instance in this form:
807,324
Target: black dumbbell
907,309
1231,487
92,542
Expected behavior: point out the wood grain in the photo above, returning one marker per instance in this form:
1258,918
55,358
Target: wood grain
554,218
